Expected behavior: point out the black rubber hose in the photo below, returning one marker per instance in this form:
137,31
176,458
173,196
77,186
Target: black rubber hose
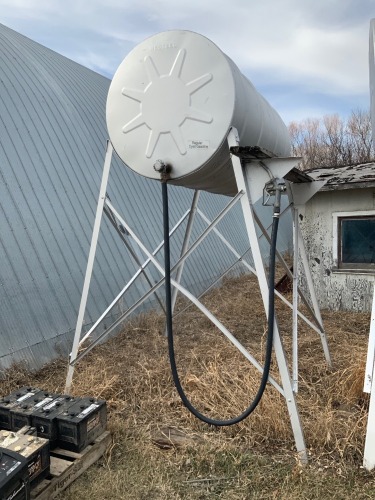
271,316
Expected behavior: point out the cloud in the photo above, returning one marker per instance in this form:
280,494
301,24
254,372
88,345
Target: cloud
316,46
334,61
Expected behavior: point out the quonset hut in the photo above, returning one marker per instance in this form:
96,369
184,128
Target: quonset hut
52,146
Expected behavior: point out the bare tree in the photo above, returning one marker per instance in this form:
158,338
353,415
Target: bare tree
333,141
359,129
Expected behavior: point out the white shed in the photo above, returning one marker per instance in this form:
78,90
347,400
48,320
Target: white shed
338,225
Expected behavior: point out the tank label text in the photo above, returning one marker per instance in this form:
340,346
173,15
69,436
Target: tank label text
198,144
162,46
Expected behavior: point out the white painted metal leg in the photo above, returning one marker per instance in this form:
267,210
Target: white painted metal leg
310,284
90,264
295,300
263,284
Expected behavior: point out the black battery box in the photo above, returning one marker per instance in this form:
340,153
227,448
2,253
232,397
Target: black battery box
17,397
35,449
14,476
20,414
44,418
82,423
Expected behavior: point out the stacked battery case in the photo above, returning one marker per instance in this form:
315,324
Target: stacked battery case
82,423
14,476
21,413
20,396
32,422
71,423
35,449
44,419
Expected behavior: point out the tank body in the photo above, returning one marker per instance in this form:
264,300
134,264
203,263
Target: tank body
174,98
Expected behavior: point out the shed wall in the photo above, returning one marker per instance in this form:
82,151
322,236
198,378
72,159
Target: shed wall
336,290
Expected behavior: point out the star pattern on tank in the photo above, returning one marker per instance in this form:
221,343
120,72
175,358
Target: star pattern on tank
165,103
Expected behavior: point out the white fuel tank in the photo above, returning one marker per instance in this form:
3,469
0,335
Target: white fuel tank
174,98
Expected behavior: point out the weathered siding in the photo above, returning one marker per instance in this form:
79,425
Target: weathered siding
336,290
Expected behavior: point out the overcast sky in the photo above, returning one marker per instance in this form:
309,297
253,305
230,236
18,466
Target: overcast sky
307,57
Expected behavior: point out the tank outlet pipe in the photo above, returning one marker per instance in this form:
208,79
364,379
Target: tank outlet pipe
164,171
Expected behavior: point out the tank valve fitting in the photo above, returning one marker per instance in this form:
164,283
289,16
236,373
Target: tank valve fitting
274,188
163,169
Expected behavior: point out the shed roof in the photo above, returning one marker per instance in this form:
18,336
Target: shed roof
349,177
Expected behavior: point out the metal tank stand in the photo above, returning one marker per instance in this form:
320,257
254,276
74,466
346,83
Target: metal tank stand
90,262
243,175
251,176
299,194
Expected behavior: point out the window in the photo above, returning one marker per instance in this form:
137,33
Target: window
356,241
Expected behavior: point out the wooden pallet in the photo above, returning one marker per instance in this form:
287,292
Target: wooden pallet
66,466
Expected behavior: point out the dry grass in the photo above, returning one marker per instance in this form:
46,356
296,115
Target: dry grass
254,459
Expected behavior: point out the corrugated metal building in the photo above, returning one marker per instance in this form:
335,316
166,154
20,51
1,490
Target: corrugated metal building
52,145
